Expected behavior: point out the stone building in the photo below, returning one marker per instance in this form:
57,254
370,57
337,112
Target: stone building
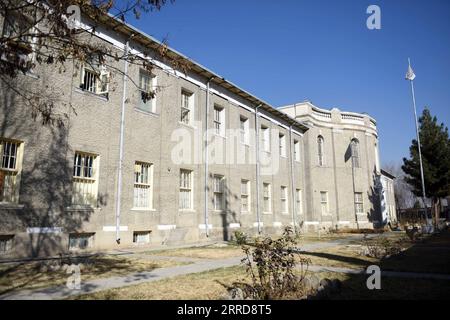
200,160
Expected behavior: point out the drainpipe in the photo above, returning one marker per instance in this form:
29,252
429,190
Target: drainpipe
294,222
122,122
257,169
206,158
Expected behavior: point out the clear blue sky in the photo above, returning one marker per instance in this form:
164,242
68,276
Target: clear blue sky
289,51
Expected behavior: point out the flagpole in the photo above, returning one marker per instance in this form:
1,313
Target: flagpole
411,80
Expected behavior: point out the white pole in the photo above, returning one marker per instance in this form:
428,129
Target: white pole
122,123
418,145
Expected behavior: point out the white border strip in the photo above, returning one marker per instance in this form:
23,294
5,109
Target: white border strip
166,226
113,228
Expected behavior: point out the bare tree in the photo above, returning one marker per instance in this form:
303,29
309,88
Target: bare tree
404,196
37,32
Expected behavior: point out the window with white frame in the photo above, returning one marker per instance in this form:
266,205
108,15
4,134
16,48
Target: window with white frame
298,201
147,88
80,241
6,243
265,138
143,173
85,176
219,120
140,237
354,145
296,150
320,150
324,202
245,196
187,107
218,189
94,77
359,205
284,200
267,202
10,169
244,130
282,144
186,190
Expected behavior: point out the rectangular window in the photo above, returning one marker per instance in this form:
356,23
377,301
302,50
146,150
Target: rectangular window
18,29
245,196
80,241
186,194
6,243
296,150
298,201
147,88
218,188
282,144
143,173
265,139
244,130
324,202
140,237
267,197
9,171
219,120
359,206
95,79
284,200
85,169
186,107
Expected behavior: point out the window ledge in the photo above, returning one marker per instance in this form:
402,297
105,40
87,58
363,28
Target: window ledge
14,206
220,136
149,113
187,125
187,210
267,212
143,209
82,208
98,96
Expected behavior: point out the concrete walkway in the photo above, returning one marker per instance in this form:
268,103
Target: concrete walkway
196,266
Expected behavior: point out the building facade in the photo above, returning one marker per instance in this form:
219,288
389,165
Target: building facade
198,161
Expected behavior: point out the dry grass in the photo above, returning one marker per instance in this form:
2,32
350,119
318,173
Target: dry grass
207,252
40,274
197,286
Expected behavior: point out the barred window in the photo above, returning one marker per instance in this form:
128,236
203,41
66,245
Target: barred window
324,202
355,153
245,196
359,206
9,171
186,107
140,237
142,185
267,197
186,194
284,200
80,241
298,201
147,86
218,188
265,139
296,150
282,144
320,150
219,120
6,243
85,179
94,78
244,130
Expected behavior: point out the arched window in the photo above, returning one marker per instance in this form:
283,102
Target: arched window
355,153
320,152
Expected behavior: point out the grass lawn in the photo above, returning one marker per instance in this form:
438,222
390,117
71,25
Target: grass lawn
40,274
197,286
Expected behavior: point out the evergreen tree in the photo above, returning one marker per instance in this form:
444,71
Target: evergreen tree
435,147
